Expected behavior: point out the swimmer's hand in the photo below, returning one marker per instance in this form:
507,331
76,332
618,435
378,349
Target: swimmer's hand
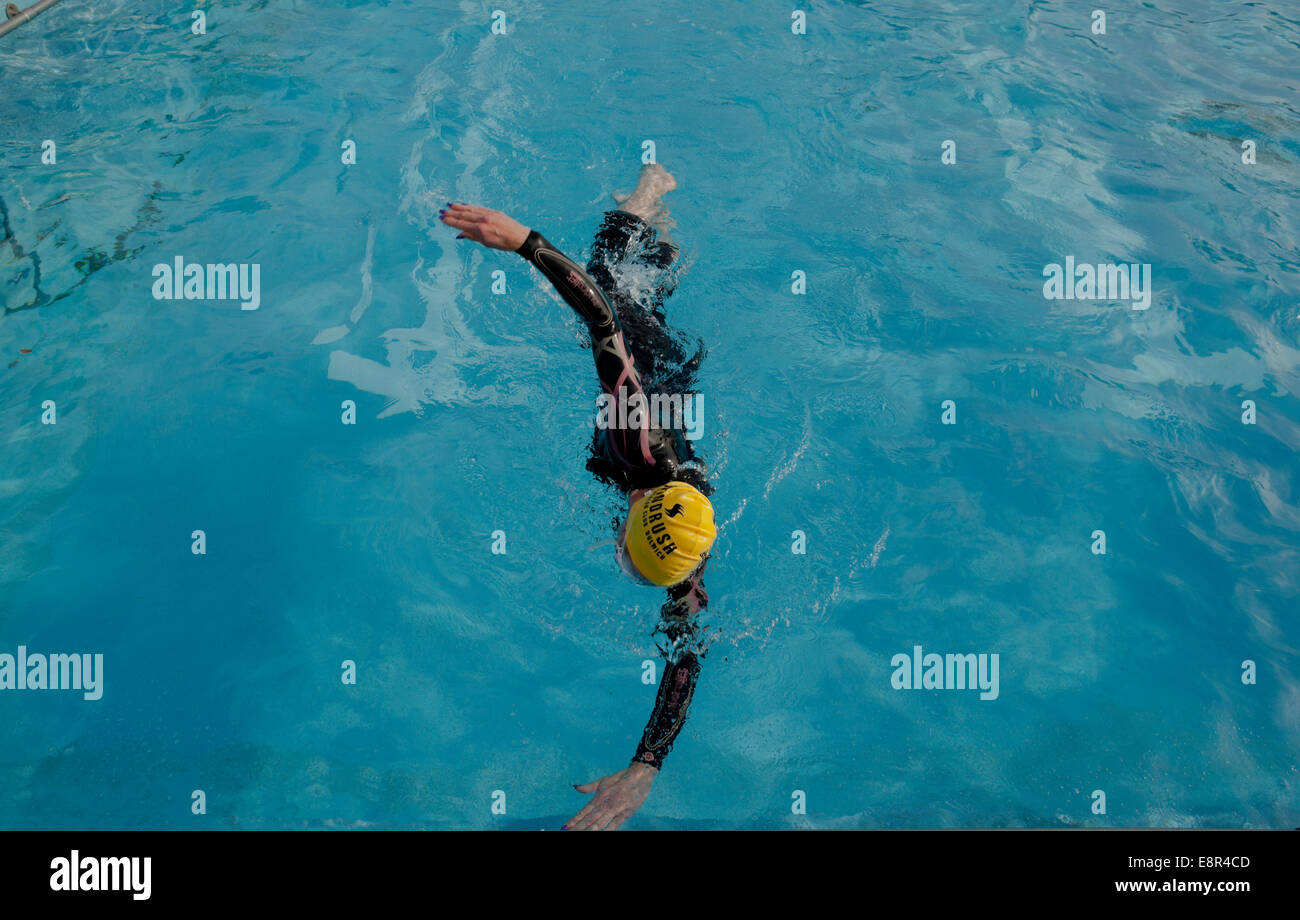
483,225
618,796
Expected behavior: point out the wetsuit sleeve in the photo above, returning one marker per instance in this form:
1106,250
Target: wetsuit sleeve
573,284
613,361
677,685
615,367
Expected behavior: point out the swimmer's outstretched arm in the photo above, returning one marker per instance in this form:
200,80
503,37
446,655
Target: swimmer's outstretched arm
677,685
616,797
498,231
614,364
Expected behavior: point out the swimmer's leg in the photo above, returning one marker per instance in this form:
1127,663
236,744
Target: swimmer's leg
626,239
627,235
645,201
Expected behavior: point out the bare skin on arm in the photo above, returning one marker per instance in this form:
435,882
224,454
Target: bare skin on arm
618,796
483,225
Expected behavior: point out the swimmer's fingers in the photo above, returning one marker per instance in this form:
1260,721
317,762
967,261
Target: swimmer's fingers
477,217
469,213
462,221
472,227
607,809
617,819
483,225
583,819
618,797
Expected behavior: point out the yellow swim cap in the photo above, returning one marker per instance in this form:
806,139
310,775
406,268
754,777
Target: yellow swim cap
669,530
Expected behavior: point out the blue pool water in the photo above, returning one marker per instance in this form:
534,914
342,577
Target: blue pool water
819,153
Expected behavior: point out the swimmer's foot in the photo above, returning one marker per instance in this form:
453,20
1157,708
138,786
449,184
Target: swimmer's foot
644,202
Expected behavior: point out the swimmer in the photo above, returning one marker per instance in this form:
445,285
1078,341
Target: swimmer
669,529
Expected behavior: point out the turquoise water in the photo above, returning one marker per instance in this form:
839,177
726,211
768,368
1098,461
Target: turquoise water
520,673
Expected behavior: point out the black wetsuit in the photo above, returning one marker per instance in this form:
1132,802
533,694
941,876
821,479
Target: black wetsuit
636,354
